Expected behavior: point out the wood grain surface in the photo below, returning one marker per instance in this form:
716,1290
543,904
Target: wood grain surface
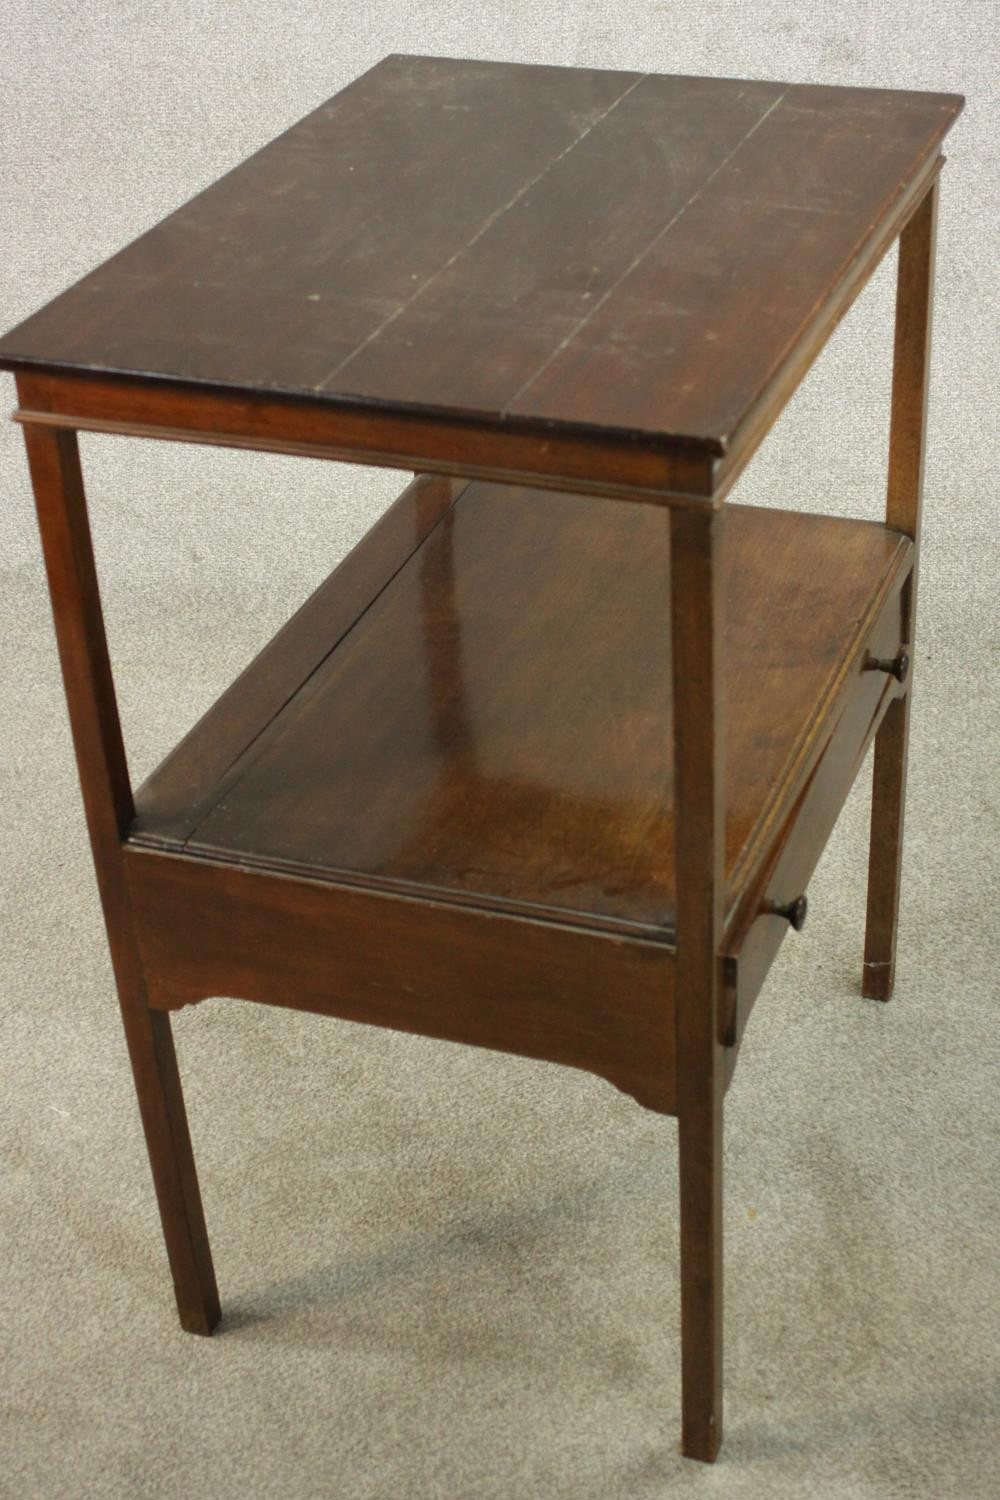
497,727
547,247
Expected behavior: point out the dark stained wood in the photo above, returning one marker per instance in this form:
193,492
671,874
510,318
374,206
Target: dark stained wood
531,770
76,606
911,365
700,322
753,937
437,749
750,432
877,623
583,999
510,311
698,621
180,791
60,502
639,471
282,269
640,261
193,950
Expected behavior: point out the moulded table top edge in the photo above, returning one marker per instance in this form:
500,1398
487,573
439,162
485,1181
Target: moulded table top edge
167,410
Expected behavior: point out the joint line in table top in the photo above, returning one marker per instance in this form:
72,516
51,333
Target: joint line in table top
589,314
483,229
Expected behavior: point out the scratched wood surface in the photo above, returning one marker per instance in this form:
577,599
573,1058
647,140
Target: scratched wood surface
553,246
497,725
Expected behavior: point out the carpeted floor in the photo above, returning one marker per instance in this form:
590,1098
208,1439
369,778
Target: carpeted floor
447,1273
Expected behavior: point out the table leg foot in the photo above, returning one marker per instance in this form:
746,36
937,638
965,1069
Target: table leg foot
164,1119
886,850
701,1290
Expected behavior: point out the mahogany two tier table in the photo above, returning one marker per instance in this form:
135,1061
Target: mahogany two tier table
546,764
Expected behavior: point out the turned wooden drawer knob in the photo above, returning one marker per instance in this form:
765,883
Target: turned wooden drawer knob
897,666
794,912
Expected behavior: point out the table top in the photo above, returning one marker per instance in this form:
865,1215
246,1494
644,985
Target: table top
539,246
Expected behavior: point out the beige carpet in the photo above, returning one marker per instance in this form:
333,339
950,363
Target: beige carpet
450,1275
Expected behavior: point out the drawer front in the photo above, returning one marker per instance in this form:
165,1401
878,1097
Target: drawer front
756,935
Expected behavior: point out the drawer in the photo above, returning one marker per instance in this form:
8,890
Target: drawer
755,933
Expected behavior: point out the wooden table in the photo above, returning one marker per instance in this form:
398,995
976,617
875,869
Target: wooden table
547,762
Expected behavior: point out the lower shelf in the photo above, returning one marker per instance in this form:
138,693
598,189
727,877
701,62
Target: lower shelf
483,715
